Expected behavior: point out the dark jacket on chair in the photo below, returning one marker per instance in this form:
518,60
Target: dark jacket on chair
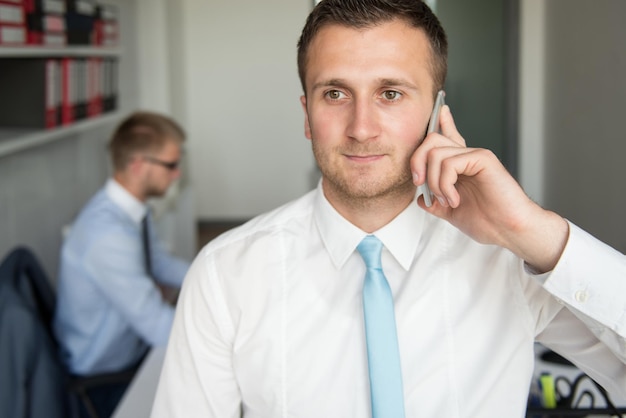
32,379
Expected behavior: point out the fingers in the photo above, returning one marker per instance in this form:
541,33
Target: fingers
445,165
443,158
450,137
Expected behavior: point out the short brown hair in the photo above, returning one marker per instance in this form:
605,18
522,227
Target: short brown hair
142,132
361,14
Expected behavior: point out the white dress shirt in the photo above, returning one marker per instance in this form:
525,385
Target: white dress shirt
270,319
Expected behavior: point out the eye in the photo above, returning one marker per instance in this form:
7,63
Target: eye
334,94
391,95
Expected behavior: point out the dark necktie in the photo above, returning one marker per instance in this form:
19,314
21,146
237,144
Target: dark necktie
145,236
380,331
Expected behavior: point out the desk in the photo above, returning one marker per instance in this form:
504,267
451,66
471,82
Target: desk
137,401
570,373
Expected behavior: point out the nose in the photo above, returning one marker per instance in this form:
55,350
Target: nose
364,123
176,173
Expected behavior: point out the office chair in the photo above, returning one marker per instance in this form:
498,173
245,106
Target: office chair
34,383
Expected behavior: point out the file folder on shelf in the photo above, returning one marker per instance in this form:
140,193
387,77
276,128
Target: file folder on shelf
46,29
106,26
69,94
46,22
31,88
12,34
80,18
44,6
109,84
11,13
94,87
46,38
12,23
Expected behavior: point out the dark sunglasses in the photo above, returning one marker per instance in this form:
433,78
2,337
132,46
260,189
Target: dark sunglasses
170,165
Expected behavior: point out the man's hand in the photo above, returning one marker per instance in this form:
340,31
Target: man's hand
475,193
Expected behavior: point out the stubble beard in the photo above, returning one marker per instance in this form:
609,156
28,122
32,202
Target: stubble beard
363,188
154,191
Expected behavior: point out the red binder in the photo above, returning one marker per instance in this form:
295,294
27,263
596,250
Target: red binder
106,25
46,38
68,91
46,29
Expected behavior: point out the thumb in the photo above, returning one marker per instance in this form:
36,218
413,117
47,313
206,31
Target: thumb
436,209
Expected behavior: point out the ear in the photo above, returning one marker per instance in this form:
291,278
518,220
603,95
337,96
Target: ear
307,125
135,164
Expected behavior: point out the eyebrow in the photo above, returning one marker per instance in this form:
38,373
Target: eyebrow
339,82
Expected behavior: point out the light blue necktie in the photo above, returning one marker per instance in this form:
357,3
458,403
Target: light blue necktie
383,354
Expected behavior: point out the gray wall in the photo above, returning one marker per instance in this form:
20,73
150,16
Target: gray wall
585,102
475,88
42,188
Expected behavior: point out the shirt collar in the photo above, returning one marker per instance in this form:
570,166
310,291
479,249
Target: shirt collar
126,201
340,237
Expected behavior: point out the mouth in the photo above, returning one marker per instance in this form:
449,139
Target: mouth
364,158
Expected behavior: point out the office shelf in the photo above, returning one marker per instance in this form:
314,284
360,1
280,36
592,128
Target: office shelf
14,140
28,51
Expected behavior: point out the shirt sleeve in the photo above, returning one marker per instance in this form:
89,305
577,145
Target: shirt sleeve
118,270
590,281
166,268
198,377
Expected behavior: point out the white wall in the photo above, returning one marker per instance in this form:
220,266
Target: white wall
158,88
248,152
531,98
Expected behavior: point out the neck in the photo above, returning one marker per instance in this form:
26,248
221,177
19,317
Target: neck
131,186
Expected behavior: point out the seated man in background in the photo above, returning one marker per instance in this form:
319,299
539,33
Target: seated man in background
110,308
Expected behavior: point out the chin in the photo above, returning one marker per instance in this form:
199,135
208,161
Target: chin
157,193
371,189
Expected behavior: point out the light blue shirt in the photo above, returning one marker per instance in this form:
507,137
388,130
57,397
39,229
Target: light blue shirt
108,309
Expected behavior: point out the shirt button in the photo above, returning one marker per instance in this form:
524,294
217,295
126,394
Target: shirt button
581,296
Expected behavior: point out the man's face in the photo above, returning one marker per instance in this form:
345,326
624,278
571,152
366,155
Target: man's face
369,97
157,176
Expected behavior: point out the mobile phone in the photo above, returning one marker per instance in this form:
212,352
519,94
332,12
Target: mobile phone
433,125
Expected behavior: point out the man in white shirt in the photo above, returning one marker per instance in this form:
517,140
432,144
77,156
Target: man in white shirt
270,322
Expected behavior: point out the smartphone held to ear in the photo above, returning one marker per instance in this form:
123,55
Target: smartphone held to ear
433,125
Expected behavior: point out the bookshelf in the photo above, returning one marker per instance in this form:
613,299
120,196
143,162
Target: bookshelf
28,51
16,139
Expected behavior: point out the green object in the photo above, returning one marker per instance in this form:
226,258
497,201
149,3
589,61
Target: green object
548,391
